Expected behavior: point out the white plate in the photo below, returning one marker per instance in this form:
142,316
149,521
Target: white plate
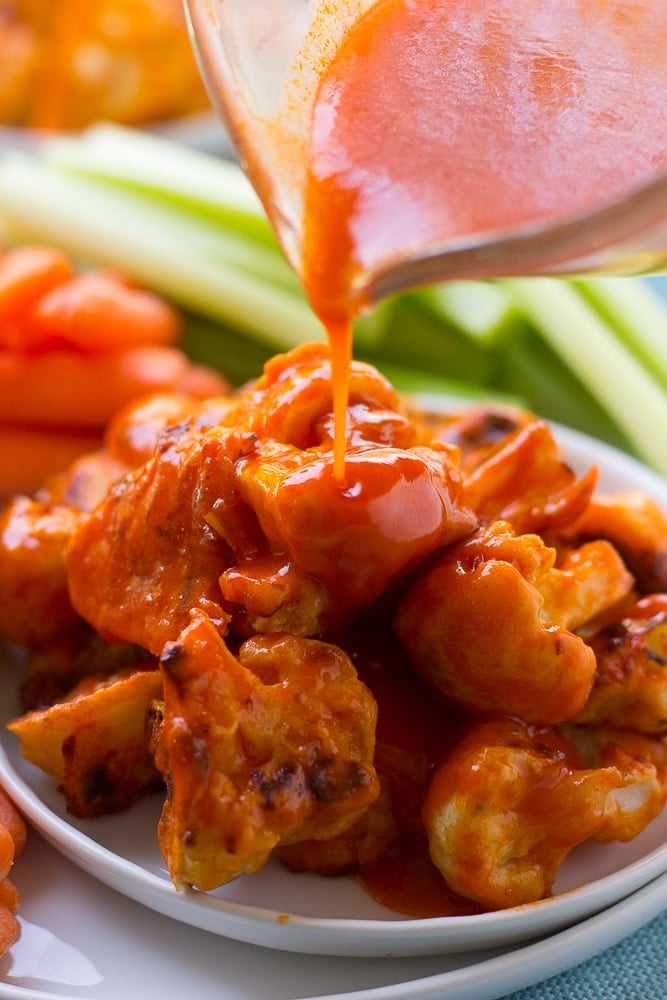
310,914
82,941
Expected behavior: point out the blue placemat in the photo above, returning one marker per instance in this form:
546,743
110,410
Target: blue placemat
635,969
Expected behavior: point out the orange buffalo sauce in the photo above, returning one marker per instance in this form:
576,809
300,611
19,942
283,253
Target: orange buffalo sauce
439,120
416,730
408,882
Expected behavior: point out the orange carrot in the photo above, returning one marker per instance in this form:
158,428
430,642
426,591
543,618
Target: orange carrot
31,455
26,274
99,313
74,350
7,850
200,381
12,822
8,928
9,895
12,841
68,390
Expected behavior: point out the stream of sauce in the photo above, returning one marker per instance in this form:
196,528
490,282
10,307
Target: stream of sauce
441,119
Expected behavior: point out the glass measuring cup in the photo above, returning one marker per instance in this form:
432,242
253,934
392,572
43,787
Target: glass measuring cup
263,63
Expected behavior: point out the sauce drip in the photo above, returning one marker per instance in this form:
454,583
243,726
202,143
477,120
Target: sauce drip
340,339
438,120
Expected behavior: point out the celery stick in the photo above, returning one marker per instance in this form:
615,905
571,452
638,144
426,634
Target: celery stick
212,197
107,226
483,310
213,187
638,315
529,367
420,340
634,400
371,329
236,355
419,383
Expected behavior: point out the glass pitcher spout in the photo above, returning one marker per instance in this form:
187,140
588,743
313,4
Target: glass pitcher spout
447,139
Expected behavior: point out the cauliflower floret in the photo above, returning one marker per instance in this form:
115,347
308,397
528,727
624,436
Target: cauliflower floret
505,809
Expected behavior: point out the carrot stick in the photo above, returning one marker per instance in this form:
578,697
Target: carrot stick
7,851
29,456
12,841
8,928
98,313
200,381
9,898
12,821
65,389
26,274
9,895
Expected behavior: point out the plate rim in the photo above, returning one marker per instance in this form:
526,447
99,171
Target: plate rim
493,978
489,978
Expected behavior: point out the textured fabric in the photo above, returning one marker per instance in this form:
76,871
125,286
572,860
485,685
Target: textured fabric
635,969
